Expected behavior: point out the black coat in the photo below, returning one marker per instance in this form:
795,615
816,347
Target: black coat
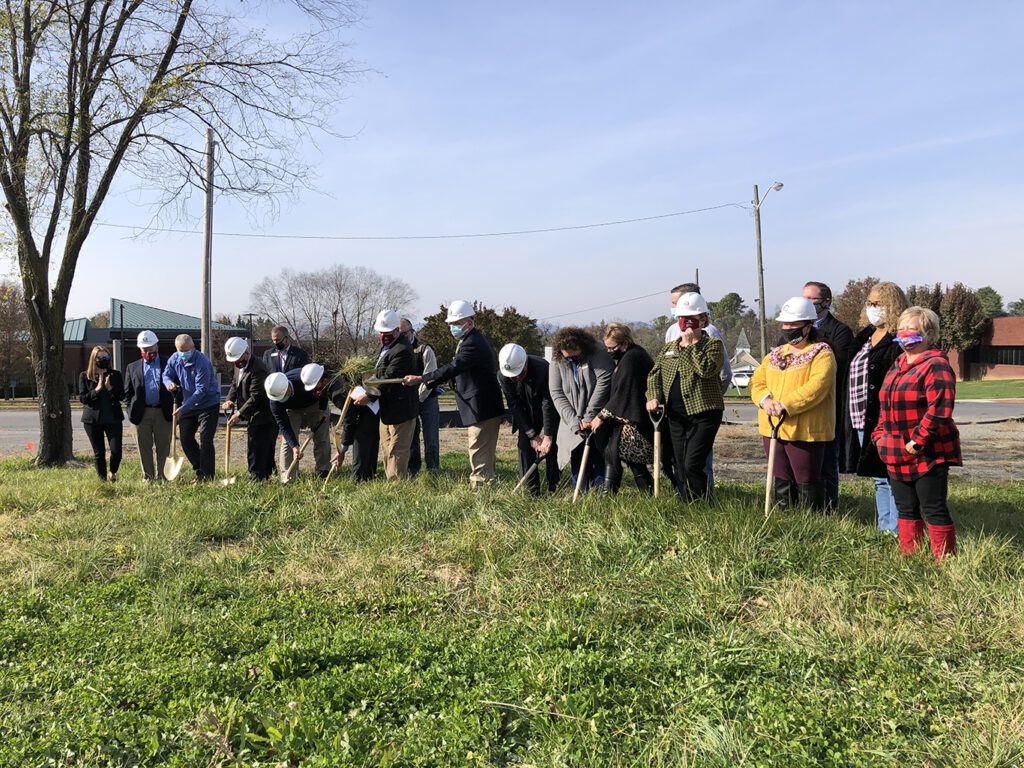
529,400
92,400
297,358
300,398
475,371
839,337
398,403
864,461
628,399
135,391
249,395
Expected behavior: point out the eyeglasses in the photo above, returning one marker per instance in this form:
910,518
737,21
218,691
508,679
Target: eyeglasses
873,304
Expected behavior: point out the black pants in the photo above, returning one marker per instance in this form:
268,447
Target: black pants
96,433
926,495
262,439
613,464
668,457
200,454
365,446
527,457
593,473
693,437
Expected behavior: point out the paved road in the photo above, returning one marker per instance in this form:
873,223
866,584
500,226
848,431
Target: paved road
18,428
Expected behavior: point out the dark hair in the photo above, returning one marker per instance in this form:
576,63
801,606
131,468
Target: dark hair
573,337
686,288
826,292
280,329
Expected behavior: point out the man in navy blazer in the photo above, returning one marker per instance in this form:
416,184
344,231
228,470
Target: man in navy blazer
149,406
283,356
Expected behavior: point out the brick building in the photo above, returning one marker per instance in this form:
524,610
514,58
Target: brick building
999,356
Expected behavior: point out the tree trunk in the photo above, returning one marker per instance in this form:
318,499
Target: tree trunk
55,431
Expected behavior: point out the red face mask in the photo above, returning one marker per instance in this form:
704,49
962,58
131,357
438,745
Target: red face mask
387,338
148,356
689,322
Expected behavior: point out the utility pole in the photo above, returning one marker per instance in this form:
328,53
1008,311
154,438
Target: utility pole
760,274
207,340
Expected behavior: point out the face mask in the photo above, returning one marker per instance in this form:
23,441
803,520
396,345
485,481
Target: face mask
102,362
280,345
149,357
387,338
908,338
185,356
412,339
240,364
574,359
793,335
689,322
457,331
876,315
821,307
617,354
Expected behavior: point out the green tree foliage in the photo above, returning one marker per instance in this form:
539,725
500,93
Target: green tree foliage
849,304
1016,308
926,296
507,327
15,363
100,319
963,319
991,301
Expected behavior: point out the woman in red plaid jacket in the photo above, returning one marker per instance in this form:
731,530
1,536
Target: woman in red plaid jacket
916,436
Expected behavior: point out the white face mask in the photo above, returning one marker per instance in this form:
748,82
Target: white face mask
876,315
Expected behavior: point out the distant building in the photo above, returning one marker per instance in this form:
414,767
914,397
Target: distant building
743,363
999,356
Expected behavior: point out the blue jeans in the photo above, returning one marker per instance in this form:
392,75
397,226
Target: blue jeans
430,417
885,503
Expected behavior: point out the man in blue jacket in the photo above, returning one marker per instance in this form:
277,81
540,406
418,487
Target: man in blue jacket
191,371
477,392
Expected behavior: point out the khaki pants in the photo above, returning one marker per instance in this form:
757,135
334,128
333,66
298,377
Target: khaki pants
396,444
154,431
308,418
483,445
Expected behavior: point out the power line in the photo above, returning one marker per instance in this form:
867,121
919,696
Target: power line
603,306
172,230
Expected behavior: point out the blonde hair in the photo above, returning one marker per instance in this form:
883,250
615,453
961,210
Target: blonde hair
893,300
184,340
92,370
619,333
927,322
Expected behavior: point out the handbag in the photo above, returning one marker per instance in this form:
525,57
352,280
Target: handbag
634,447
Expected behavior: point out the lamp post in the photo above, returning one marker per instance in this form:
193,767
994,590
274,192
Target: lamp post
760,263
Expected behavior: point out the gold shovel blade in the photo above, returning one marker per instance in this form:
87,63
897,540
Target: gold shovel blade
172,467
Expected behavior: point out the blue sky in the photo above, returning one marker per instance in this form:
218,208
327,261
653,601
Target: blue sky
897,129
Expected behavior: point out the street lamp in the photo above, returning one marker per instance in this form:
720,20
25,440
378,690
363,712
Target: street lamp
760,263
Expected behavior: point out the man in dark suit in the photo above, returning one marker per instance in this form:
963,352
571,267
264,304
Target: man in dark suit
149,405
284,356
839,337
524,382
399,405
477,392
249,399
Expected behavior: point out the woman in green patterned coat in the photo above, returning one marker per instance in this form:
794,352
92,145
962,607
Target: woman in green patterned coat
685,382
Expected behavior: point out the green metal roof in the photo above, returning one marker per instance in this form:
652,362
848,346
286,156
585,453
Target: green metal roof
140,317
74,330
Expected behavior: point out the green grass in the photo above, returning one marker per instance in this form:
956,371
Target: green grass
420,624
984,390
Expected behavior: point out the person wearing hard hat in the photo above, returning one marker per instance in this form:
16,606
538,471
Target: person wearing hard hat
430,410
524,382
191,372
248,397
298,399
150,406
796,382
477,392
685,382
399,405
580,381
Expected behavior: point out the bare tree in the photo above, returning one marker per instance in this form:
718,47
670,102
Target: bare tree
91,90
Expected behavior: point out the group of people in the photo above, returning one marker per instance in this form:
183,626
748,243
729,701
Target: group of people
877,403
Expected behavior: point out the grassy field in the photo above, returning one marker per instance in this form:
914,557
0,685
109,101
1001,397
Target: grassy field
420,624
984,390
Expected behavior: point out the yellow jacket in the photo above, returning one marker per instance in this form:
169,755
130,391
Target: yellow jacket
804,381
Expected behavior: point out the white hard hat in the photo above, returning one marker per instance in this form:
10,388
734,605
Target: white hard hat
234,348
311,375
387,321
147,339
459,310
796,309
511,360
691,305
276,385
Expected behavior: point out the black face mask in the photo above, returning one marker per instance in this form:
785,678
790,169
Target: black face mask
102,362
280,345
617,354
574,359
793,335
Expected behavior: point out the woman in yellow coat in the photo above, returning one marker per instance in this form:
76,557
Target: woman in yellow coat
797,382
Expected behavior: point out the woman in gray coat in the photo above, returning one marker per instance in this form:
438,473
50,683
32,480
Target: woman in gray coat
580,380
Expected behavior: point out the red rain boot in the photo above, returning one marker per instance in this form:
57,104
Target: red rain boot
943,539
911,532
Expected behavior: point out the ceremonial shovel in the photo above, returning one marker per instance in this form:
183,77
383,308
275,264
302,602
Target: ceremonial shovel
770,479
173,464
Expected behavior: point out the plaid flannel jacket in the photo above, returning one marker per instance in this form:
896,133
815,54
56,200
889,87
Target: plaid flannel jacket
917,405
698,367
